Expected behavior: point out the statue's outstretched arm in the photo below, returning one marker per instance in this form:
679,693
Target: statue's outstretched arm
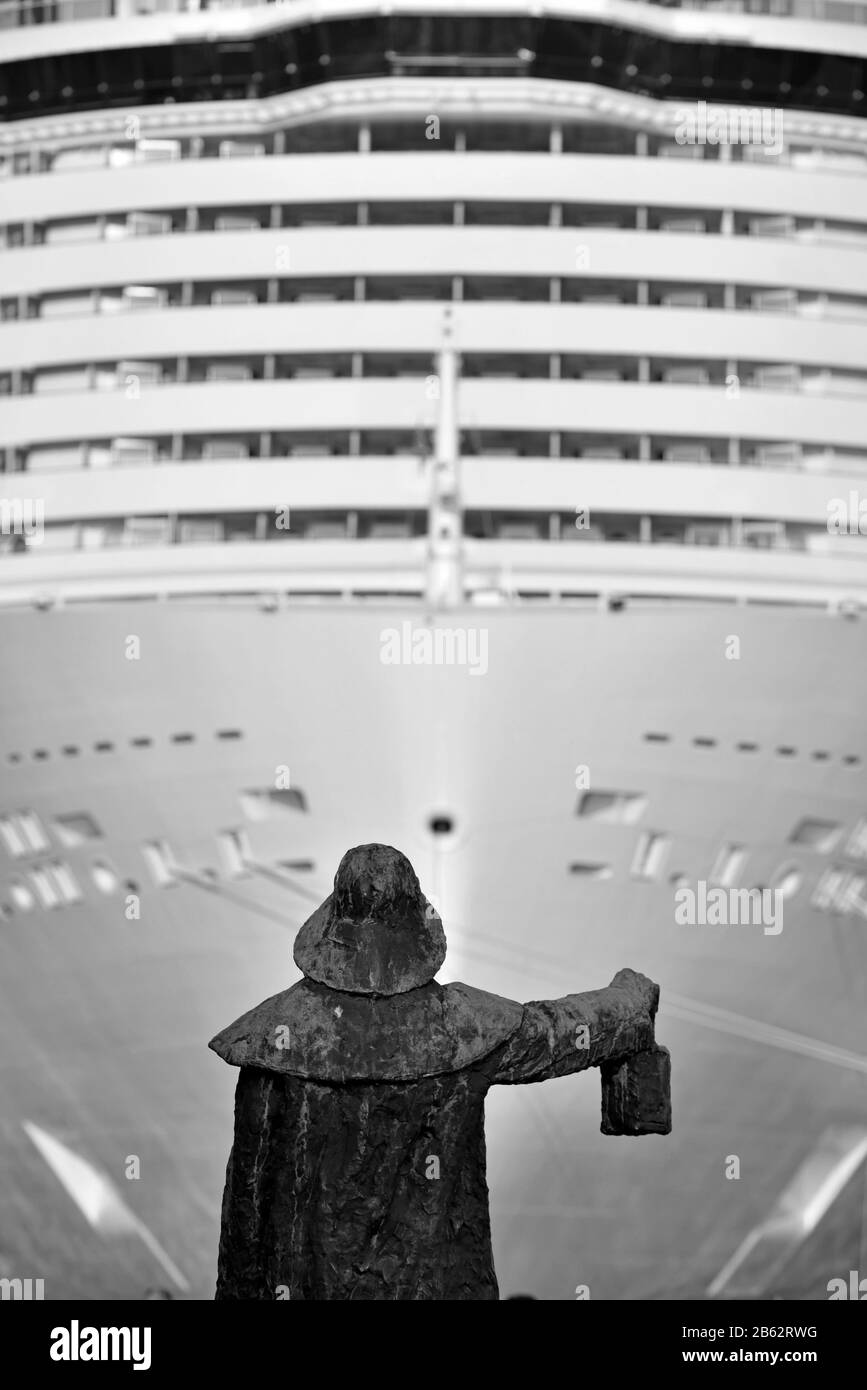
559,1036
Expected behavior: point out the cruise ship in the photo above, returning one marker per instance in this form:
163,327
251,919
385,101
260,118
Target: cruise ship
442,423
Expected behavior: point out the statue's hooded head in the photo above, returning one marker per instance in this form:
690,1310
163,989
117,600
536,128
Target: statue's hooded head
376,933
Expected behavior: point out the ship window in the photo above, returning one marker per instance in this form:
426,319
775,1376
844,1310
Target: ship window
136,297
410,214
320,215
317,290
258,805
86,157
384,442
509,136
603,217
597,139
680,373
55,306
841,892
64,232
151,151
225,450
63,882
147,530
681,298
21,895
322,138
23,833
728,865
408,287
13,840
238,222
591,870
159,860
199,531
787,880
495,214
407,135
388,528
232,296
819,835
104,876
503,364
132,452
234,850
510,288
50,457
75,828
46,889
616,808
241,149
650,855
145,224
684,223
857,846
228,371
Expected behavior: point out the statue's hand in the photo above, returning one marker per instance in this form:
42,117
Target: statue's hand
644,989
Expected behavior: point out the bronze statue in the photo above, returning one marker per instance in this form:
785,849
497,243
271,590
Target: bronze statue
358,1165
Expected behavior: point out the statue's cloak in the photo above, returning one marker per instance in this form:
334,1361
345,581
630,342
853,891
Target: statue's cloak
358,1167
328,1035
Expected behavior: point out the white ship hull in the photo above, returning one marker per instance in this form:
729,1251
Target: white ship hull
104,1021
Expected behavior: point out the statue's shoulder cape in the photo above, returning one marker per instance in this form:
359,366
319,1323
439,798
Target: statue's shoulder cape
327,1035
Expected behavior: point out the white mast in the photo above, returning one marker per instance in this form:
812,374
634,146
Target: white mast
445,587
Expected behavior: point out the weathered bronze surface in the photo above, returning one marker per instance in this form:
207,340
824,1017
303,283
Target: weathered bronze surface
358,1166
636,1094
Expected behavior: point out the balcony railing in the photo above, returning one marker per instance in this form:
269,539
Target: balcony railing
272,573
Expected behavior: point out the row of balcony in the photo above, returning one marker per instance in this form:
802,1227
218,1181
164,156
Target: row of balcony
601,217
514,289
484,135
346,524
134,375
311,445
341,189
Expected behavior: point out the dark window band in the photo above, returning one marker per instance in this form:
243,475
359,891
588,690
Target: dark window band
441,46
